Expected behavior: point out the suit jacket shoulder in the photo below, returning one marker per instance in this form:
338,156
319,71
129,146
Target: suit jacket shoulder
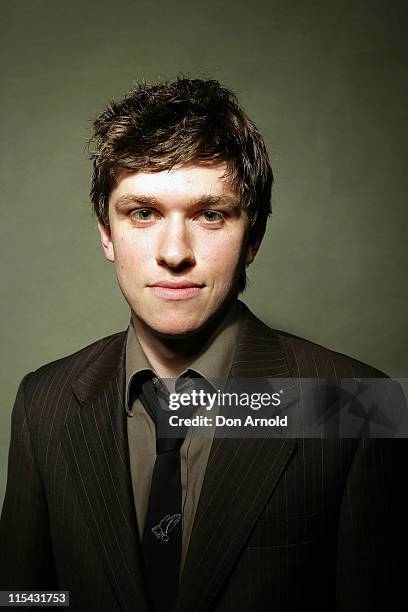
73,365
50,392
302,358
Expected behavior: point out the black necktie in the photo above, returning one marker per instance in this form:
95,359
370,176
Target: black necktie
162,532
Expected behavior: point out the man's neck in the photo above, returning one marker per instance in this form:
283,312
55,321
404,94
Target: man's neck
170,357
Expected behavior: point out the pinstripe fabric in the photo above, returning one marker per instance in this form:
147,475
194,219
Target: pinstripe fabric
298,525
281,525
79,488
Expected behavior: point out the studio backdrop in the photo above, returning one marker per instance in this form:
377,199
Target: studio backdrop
326,84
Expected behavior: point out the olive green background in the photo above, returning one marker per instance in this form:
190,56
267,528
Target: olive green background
326,83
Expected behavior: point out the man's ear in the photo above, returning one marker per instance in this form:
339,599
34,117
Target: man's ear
254,242
106,240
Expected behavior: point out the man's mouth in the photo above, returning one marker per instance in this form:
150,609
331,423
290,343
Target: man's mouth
176,290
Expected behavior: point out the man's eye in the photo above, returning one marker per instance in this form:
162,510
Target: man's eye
212,216
142,214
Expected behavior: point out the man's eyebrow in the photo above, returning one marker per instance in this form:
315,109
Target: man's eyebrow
216,200
131,199
201,200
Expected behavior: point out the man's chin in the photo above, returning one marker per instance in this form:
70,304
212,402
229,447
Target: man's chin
170,325
178,331
175,328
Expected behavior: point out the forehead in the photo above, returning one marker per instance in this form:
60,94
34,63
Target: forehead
187,181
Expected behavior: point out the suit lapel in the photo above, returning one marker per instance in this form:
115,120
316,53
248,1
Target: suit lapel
97,452
241,476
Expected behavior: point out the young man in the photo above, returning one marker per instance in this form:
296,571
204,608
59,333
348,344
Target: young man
96,503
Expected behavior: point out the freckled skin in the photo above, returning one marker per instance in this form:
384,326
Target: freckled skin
178,225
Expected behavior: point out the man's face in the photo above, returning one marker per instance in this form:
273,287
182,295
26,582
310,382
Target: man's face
179,240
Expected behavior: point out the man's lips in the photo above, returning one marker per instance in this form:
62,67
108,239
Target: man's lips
175,290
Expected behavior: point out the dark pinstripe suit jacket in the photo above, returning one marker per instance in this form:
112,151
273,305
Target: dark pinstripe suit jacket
282,525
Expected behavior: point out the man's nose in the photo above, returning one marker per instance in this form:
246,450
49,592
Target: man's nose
174,247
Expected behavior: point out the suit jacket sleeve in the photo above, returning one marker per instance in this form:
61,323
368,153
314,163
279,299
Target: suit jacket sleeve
372,530
25,545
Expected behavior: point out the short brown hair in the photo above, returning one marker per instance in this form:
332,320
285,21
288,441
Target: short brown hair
157,127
